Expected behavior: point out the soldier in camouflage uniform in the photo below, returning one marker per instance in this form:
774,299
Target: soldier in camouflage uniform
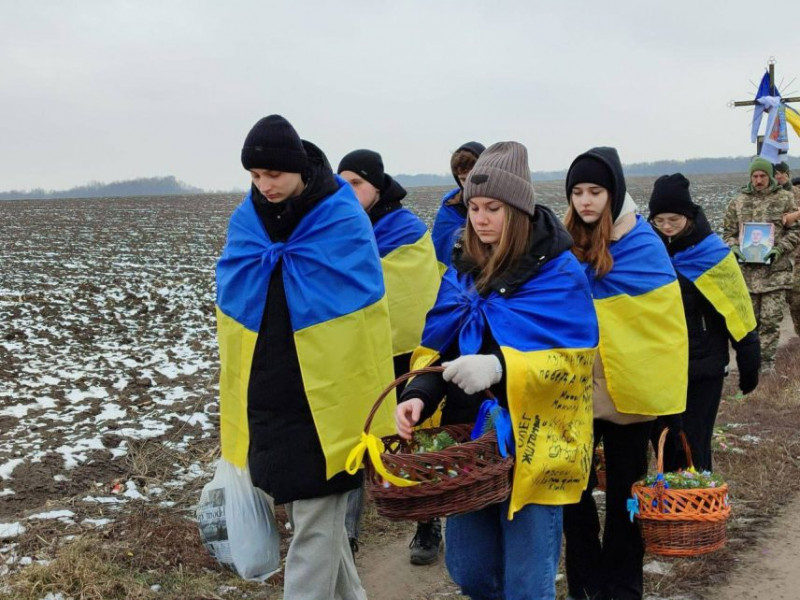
764,201
782,176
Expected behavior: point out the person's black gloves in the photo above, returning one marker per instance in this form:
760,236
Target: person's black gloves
748,359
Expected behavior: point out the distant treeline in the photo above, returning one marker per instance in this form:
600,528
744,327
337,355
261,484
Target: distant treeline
694,166
168,186
146,186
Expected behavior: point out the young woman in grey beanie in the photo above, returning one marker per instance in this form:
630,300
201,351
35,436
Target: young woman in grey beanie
513,316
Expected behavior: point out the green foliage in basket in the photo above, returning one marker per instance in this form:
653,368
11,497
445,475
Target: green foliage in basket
687,480
424,442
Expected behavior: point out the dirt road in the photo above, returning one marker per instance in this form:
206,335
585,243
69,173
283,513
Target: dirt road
387,575
770,570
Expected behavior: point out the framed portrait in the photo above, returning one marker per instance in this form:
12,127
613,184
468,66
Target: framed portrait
755,240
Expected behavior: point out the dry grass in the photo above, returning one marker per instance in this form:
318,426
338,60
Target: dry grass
149,547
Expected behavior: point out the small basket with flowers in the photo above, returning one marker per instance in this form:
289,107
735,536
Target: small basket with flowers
683,513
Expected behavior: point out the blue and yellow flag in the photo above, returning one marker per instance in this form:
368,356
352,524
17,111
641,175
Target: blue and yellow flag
711,266
547,332
644,344
339,315
410,273
446,228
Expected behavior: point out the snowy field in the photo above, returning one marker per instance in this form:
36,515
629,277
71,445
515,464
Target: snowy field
108,364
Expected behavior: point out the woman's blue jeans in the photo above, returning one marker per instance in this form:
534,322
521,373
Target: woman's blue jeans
492,558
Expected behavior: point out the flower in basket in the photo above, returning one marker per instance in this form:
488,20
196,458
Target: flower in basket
686,479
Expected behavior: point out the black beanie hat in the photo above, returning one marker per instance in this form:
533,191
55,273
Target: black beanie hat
274,144
782,167
366,163
588,169
796,181
475,148
671,195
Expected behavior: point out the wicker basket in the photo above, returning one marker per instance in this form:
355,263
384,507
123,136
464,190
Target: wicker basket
480,475
681,522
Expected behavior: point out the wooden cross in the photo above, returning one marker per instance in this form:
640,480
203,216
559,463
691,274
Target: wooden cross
772,92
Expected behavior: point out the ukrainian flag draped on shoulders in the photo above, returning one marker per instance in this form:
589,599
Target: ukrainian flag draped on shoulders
711,266
411,275
338,311
643,339
446,227
547,332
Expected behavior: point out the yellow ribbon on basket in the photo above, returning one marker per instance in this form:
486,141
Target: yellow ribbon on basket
374,446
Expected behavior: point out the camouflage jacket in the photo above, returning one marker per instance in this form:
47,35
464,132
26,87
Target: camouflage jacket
765,207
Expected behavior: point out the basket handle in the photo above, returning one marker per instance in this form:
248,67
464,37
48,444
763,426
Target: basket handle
387,390
662,439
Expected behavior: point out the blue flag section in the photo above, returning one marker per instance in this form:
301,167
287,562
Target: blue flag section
398,228
711,266
446,228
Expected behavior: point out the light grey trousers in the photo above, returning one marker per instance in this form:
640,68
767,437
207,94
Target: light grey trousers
319,564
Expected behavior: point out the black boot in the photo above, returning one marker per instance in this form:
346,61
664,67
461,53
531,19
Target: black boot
426,543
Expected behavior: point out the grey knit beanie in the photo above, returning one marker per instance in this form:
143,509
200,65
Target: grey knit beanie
502,173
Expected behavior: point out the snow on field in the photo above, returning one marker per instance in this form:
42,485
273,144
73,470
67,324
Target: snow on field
108,335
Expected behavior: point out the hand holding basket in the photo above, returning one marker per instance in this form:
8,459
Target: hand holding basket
404,485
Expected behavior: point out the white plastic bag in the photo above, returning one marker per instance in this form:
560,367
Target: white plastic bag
237,525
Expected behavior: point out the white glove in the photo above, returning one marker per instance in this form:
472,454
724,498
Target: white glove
473,372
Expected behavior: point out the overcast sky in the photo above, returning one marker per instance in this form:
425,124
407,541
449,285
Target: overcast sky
109,89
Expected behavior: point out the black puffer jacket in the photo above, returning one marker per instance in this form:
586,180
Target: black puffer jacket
286,458
548,240
708,332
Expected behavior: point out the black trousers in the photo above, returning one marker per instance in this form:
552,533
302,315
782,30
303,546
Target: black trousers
702,403
611,570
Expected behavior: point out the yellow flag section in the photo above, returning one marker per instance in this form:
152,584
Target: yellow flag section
547,333
411,275
339,315
550,401
236,346
710,265
347,375
793,118
643,339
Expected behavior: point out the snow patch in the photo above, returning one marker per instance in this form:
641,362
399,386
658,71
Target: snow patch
53,514
7,469
9,530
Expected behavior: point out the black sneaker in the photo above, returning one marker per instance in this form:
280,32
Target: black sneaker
426,543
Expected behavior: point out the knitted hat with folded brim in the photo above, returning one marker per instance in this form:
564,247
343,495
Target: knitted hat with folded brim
366,163
671,195
273,144
762,164
502,173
